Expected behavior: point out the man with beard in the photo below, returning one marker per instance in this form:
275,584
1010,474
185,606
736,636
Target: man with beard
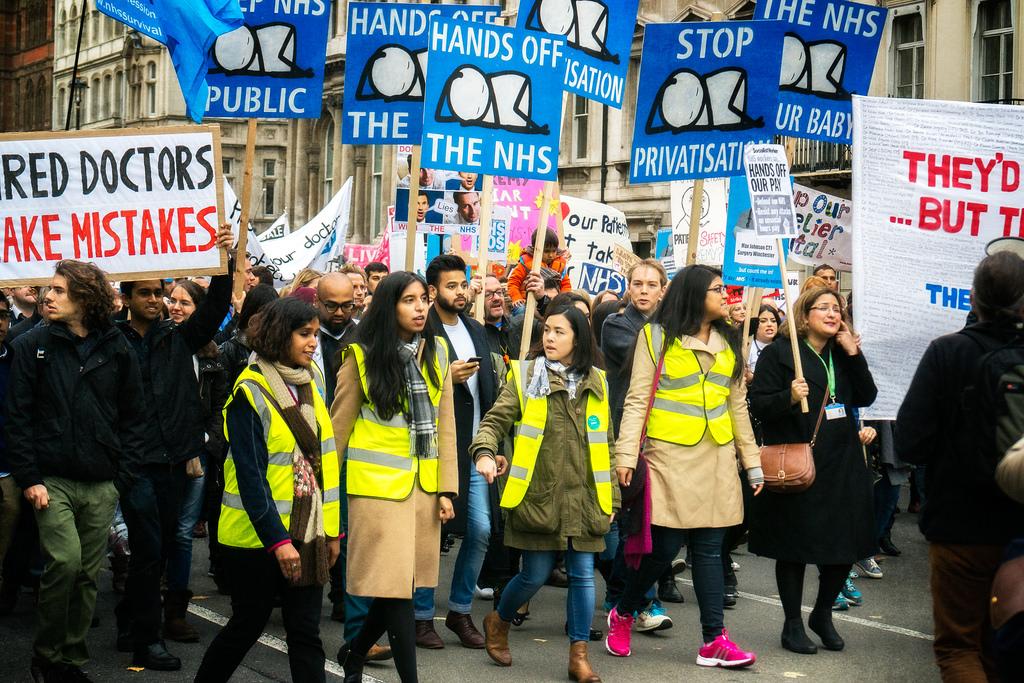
24,301
476,506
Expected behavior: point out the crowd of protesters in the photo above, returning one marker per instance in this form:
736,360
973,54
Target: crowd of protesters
337,434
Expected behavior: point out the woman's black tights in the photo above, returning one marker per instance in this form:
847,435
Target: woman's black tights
790,578
397,617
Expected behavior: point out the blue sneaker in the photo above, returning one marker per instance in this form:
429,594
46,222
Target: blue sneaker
852,595
840,604
607,606
653,618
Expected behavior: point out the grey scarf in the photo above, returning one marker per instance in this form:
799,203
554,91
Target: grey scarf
420,412
539,386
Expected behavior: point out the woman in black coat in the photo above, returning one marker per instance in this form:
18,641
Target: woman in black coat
831,523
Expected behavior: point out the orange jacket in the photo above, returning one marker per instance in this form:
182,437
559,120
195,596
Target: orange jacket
518,276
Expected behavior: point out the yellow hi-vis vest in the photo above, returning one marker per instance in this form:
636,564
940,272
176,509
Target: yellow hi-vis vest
689,401
530,434
378,455
234,528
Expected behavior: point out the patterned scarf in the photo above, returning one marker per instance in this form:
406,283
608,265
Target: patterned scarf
539,386
420,413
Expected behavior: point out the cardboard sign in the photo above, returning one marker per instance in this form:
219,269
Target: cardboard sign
706,89
139,16
599,37
933,183
592,232
713,218
771,191
524,200
750,260
136,202
447,203
664,251
829,55
385,68
825,223
273,65
491,107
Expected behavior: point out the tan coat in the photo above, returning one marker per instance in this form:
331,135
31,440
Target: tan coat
394,546
692,487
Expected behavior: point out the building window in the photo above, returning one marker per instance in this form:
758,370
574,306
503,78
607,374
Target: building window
269,168
580,121
37,23
908,55
42,90
95,100
61,38
995,50
62,106
30,96
328,157
118,93
269,171
108,96
377,185
151,89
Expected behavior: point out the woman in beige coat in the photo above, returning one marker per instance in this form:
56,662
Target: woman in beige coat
394,422
696,426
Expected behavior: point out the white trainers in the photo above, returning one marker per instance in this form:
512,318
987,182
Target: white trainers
653,619
483,593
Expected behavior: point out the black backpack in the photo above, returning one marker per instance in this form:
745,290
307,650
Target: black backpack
994,404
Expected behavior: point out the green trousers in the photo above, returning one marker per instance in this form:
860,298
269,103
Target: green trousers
73,539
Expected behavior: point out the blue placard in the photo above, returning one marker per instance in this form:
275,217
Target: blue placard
139,15
750,261
706,90
599,37
828,55
385,68
273,65
492,109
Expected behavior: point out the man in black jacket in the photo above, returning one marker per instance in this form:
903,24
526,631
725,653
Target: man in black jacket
476,506
335,304
966,518
174,435
75,430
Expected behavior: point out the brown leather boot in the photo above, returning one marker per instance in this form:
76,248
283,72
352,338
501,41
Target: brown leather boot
379,653
579,664
426,636
175,626
462,625
496,637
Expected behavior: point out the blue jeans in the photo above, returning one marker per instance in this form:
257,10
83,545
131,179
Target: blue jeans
537,566
179,557
471,554
614,549
708,577
356,607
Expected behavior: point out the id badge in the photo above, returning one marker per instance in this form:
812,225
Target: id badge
835,411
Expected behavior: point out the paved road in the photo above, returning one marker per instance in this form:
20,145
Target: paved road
888,639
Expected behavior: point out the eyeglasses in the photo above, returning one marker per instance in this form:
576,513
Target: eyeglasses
717,290
828,309
333,306
491,294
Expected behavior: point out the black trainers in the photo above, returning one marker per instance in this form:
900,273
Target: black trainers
156,657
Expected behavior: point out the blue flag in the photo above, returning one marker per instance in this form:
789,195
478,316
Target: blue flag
191,27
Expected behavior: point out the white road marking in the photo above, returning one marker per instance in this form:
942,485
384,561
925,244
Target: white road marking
836,615
272,642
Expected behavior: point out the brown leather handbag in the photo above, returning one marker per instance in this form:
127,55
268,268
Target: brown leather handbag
789,467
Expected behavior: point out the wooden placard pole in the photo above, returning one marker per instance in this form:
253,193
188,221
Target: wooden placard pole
241,257
538,259
559,218
798,365
753,297
696,209
410,226
482,261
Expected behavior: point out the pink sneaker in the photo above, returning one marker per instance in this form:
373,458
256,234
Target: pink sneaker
619,633
725,653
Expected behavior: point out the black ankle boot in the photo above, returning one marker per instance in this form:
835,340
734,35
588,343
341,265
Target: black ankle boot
351,663
794,638
821,623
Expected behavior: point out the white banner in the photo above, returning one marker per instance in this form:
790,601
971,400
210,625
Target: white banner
134,202
592,231
713,217
825,226
277,229
933,182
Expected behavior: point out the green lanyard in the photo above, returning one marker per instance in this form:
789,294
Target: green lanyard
830,372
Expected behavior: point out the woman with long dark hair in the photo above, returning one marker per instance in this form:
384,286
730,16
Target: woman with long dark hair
279,516
394,421
763,331
559,495
831,524
696,428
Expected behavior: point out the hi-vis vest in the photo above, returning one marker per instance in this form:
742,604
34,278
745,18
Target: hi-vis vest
235,529
378,459
689,401
530,434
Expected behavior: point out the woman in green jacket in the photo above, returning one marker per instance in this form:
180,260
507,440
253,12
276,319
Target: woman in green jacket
560,494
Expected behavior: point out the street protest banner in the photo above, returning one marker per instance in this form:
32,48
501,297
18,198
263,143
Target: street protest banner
361,254
592,232
524,199
273,65
750,260
491,106
706,89
825,225
137,15
714,215
933,183
277,229
599,37
136,202
829,55
771,191
664,251
385,68
319,244
447,202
